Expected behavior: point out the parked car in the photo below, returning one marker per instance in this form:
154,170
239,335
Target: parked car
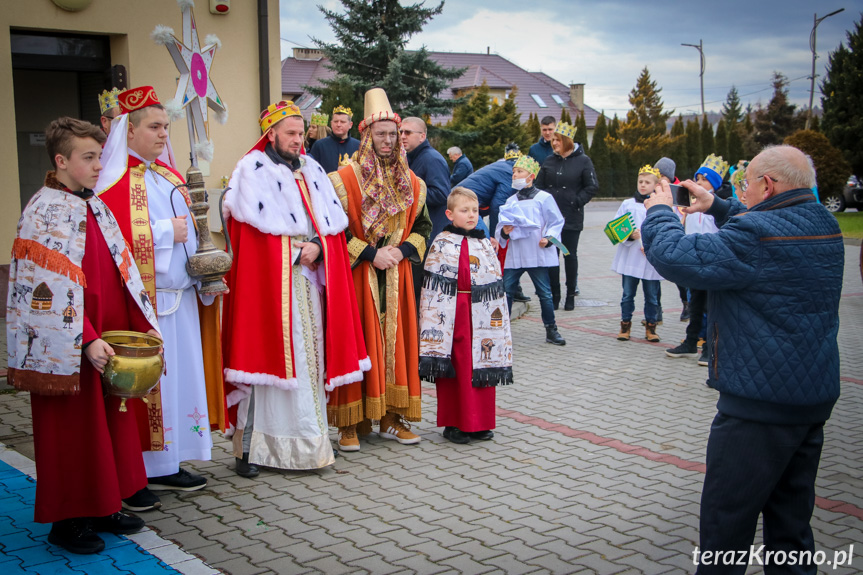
851,196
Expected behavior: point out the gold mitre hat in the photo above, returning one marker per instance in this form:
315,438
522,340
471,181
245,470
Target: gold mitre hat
527,163
277,112
377,108
565,129
648,169
108,100
716,164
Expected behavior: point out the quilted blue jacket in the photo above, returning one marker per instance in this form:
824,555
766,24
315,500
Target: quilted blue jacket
774,277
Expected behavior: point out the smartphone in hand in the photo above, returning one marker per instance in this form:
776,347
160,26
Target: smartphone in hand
679,195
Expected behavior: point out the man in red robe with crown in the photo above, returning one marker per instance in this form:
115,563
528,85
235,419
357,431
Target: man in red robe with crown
389,226
149,200
291,326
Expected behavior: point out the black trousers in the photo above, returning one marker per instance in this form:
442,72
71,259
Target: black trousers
697,307
569,238
757,469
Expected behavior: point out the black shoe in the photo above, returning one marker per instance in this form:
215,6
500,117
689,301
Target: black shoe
76,536
455,435
246,469
119,524
552,335
577,291
180,481
519,296
685,349
555,302
569,305
702,361
481,435
684,314
143,500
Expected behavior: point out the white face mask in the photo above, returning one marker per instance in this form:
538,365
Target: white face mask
519,184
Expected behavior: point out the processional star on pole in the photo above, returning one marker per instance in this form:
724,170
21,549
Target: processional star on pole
195,89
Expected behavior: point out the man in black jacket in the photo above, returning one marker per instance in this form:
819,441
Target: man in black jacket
568,175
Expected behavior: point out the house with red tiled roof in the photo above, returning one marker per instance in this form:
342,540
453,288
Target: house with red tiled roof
538,93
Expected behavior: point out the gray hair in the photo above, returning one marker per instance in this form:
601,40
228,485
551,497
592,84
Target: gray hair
416,121
454,150
787,165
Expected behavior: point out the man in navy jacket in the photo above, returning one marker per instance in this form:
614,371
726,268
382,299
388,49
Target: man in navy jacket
774,278
542,149
461,166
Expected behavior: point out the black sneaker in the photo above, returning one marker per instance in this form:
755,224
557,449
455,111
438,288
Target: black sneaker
481,435
76,536
685,349
702,361
143,500
569,304
119,524
519,296
456,435
180,481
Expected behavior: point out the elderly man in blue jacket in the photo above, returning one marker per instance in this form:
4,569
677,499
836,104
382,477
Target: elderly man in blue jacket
461,166
774,277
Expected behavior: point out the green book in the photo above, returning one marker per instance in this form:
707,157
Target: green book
620,228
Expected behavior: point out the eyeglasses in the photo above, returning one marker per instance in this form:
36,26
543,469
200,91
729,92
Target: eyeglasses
407,132
744,184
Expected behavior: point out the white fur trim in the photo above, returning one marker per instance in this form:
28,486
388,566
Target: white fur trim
183,4
204,150
162,35
238,395
212,39
265,195
366,364
174,109
222,115
229,433
234,377
345,379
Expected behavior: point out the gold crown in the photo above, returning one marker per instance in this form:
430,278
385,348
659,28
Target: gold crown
342,110
278,112
648,169
527,163
716,164
565,129
108,100
319,119
512,154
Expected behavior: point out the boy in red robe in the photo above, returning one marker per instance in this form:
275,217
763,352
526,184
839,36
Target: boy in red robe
465,337
70,260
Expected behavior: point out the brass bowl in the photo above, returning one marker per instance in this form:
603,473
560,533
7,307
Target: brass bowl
136,367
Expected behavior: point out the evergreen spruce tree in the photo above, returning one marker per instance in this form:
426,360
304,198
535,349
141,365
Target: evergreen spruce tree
677,148
622,185
581,131
614,127
720,143
678,128
735,145
732,109
775,122
643,133
484,127
532,127
815,124
694,153
369,51
842,102
747,134
707,143
564,116
601,157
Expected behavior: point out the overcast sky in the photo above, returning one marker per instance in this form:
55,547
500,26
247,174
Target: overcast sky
606,44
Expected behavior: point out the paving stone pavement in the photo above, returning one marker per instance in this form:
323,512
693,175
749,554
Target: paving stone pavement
596,465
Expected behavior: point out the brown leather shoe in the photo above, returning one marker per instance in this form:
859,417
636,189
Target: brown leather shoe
625,328
650,332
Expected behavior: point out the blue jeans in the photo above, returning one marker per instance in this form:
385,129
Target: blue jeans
539,277
651,298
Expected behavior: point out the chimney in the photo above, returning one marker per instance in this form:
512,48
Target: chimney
308,54
576,96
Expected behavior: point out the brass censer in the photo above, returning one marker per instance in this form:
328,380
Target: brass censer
209,264
135,368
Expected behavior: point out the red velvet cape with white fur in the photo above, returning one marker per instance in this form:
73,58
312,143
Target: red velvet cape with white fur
259,209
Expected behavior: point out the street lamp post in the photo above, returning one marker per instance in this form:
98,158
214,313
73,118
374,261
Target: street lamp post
812,35
700,48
